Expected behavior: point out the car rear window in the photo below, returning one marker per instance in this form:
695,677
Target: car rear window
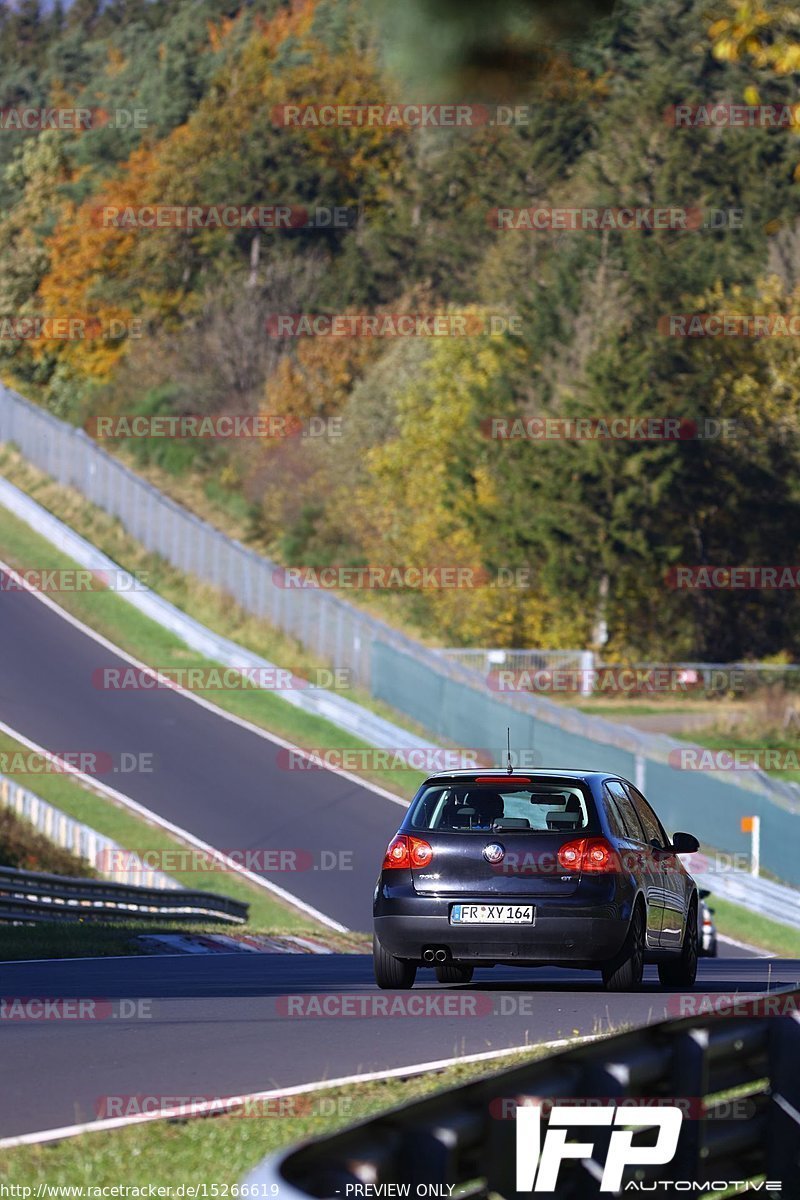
467,808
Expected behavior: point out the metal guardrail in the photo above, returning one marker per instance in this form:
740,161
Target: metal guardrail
763,896
30,896
465,1138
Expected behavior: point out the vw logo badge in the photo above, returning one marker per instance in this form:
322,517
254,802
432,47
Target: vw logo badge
494,852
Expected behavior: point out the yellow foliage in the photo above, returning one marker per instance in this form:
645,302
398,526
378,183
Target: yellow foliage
432,492
765,31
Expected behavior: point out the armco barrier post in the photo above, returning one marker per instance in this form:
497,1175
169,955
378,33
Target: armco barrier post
752,825
586,668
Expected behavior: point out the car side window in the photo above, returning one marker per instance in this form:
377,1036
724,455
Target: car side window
633,827
650,822
615,822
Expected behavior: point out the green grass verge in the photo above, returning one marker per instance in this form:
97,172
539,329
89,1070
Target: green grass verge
737,922
93,939
220,1150
719,739
68,939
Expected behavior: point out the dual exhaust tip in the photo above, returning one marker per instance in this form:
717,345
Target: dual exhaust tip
430,955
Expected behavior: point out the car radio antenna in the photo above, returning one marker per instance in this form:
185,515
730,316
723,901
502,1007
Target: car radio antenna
509,763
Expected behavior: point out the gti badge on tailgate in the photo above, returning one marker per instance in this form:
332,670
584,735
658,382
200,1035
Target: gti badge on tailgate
494,852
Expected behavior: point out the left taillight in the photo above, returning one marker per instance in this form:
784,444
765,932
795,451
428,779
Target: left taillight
588,854
407,851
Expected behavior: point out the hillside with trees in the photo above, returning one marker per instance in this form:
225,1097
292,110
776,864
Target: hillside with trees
596,525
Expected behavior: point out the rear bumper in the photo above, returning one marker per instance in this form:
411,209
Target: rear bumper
560,934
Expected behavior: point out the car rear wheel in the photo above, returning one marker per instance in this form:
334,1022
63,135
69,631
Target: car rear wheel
450,972
681,971
391,972
624,973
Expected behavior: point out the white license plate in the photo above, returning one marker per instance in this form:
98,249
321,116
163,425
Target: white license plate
491,914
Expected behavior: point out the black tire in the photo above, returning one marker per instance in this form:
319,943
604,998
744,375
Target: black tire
391,972
681,971
624,973
450,972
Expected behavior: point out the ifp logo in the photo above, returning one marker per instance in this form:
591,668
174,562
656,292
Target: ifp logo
539,1160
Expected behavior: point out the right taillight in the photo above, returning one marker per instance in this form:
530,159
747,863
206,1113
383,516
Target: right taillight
407,851
588,854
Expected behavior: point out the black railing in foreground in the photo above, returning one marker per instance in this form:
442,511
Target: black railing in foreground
32,896
467,1136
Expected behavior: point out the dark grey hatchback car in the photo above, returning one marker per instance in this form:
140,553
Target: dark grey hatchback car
571,868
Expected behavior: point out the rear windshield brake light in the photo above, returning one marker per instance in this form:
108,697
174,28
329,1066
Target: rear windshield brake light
502,779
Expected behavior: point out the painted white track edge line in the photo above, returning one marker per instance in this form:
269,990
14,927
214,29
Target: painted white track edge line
219,1106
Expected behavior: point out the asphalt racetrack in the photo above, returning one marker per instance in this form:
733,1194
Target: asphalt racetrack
219,1025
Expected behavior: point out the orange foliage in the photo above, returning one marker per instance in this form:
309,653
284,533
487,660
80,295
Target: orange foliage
113,272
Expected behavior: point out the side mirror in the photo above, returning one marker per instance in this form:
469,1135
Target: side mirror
685,843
